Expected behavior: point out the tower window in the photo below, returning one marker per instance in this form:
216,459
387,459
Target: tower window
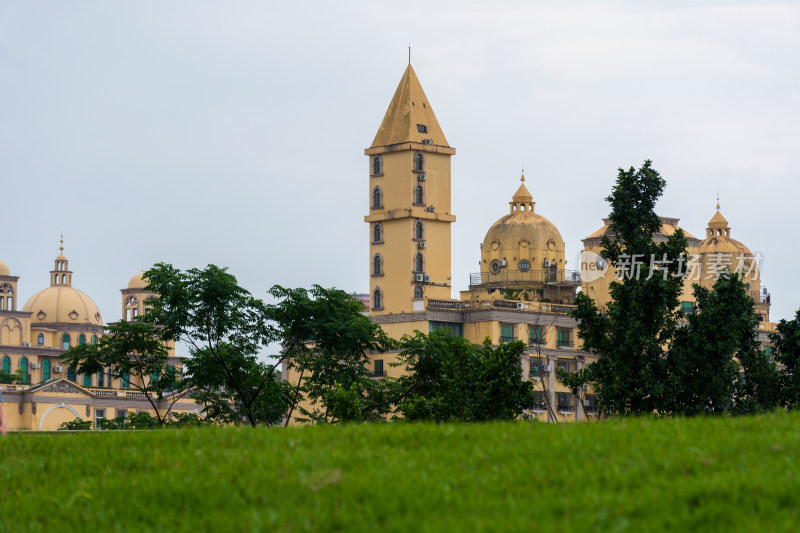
40,339
65,341
419,230
419,263
419,162
377,165
377,232
524,265
422,128
377,299
419,195
45,370
377,198
377,266
418,292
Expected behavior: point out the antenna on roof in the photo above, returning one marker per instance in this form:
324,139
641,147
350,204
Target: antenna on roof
409,53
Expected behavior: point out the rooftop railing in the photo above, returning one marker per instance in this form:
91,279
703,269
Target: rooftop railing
525,276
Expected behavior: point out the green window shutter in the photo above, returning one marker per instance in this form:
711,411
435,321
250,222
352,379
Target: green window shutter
82,339
87,380
72,374
45,370
126,380
65,341
506,333
7,364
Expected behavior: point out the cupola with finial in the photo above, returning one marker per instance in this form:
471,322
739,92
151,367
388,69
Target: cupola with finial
522,199
718,226
61,274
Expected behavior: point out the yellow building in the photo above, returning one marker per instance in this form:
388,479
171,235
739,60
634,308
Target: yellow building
32,339
523,290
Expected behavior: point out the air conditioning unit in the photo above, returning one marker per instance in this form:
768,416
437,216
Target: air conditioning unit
36,365
547,262
422,244
422,177
419,277
502,262
519,305
431,209
26,344
427,141
427,279
57,369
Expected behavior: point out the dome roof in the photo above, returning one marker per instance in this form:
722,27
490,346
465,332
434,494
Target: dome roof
4,270
137,282
514,228
62,303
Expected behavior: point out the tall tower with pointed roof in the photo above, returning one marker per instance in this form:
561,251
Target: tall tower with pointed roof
409,205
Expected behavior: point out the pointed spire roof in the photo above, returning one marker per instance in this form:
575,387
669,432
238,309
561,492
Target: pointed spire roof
523,195
718,221
409,109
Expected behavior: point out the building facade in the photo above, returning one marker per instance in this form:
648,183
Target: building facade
32,339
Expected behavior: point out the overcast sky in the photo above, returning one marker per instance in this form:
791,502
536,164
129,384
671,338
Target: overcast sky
233,133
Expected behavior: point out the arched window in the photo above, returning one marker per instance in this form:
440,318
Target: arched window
40,339
419,230
7,364
82,339
419,263
64,279
377,299
101,379
377,200
87,380
72,374
45,369
377,266
23,365
377,232
419,162
419,196
65,341
377,165
418,292
10,301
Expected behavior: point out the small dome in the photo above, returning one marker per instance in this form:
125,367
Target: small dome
718,238
137,282
4,270
62,303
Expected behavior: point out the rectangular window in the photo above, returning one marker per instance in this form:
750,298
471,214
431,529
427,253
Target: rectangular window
125,380
122,413
537,368
565,365
101,379
687,308
422,128
539,404
535,335
768,351
590,403
563,338
456,328
564,400
99,414
506,333
379,372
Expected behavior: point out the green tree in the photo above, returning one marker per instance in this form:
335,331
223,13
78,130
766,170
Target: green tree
17,376
640,320
450,379
326,339
136,351
787,352
226,329
703,372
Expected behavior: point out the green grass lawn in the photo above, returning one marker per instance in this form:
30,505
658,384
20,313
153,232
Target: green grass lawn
721,474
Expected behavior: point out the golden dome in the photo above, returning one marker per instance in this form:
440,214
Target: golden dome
62,303
522,235
137,282
4,270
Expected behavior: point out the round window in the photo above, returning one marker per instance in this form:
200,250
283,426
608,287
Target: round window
524,265
495,267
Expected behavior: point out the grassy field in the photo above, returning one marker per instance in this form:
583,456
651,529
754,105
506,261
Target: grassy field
626,475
